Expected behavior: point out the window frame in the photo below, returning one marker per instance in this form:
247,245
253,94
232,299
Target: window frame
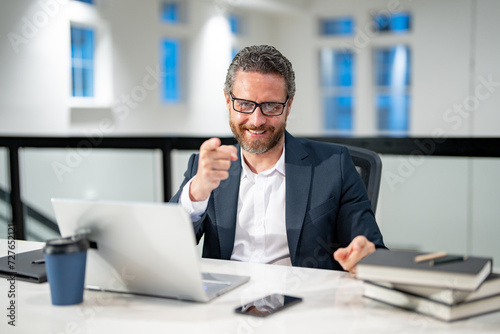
363,42
393,93
336,93
180,93
82,94
85,15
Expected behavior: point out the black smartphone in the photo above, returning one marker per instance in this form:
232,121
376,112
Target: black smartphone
268,305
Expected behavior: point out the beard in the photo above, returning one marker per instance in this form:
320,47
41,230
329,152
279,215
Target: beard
258,146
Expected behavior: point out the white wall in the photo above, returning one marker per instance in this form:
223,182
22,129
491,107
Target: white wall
38,66
486,119
449,55
34,82
452,54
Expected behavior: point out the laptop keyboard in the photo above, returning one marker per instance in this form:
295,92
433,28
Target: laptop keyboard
214,279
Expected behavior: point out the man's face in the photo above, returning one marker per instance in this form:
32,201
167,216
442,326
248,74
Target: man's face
256,132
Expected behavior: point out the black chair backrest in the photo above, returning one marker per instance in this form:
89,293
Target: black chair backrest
369,166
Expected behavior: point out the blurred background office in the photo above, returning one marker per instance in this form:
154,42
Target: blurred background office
155,68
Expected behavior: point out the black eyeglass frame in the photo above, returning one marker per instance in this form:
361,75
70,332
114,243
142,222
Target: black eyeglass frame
258,105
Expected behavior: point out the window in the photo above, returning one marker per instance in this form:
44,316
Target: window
343,47
173,13
337,88
82,61
392,81
170,12
394,23
170,61
336,73
337,26
235,24
236,27
392,75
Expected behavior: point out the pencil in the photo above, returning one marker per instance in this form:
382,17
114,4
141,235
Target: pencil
430,256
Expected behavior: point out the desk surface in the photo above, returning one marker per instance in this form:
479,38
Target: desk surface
332,302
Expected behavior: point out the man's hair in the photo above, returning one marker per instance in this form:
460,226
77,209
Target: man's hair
263,59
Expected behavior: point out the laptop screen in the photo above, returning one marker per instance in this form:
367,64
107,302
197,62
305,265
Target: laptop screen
142,248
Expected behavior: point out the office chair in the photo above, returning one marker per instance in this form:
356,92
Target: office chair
369,166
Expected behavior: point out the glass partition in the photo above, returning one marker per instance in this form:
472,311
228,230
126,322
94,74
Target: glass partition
94,174
180,159
430,203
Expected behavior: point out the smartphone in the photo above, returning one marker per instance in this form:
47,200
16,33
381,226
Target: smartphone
268,305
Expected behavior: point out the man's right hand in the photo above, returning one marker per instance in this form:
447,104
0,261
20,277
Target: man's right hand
213,165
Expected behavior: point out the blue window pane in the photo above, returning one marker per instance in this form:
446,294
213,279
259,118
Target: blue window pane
336,68
234,22
338,112
337,73
82,61
392,66
169,12
74,80
393,111
382,22
170,49
76,41
392,80
395,23
400,22
88,81
87,1
337,26
88,44
383,61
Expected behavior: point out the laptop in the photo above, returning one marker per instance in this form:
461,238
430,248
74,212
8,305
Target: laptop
141,248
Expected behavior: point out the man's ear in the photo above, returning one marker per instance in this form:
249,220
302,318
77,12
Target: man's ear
228,101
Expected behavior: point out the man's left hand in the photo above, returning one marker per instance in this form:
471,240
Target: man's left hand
349,256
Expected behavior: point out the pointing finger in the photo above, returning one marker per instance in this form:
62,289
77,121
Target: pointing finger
211,144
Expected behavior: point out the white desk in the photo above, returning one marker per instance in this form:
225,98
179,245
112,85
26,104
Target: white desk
333,303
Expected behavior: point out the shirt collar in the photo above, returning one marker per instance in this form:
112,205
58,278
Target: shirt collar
247,173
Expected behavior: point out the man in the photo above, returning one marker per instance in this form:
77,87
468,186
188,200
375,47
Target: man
275,198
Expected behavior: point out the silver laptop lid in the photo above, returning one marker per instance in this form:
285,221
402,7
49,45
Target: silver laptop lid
142,248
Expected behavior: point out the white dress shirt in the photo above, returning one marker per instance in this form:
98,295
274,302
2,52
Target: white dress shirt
260,221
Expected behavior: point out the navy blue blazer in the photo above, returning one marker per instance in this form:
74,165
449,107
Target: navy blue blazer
326,205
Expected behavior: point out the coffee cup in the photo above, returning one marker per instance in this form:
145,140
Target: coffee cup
65,261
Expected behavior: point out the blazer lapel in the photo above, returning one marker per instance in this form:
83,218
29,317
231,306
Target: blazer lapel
298,180
225,206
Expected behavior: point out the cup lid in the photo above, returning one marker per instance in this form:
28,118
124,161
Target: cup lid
66,245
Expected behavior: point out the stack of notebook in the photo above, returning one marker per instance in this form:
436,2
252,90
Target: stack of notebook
446,287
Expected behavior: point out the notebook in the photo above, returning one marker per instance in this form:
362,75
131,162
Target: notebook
456,271
141,248
27,266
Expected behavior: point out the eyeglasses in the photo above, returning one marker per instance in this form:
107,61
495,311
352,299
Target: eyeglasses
267,108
